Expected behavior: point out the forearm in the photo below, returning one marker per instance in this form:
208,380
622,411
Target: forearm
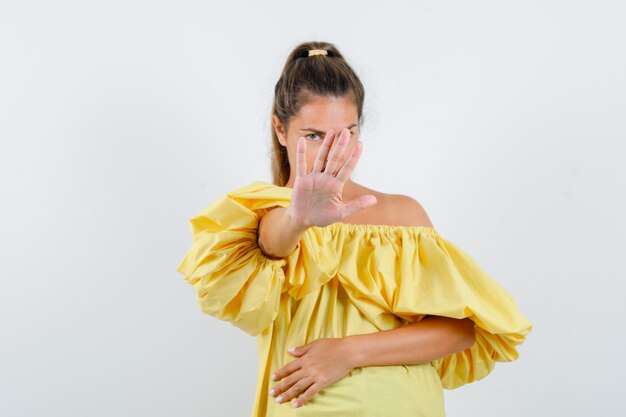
428,339
279,233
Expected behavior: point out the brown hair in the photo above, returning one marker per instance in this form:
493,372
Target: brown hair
303,76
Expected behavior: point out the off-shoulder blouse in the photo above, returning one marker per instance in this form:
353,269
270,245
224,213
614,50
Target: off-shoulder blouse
346,279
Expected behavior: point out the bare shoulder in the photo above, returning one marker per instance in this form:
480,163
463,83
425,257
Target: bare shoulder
393,209
408,210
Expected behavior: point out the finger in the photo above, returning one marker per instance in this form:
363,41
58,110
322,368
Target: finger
295,351
285,384
320,159
307,395
286,370
347,168
336,152
300,349
301,157
360,203
295,389
342,152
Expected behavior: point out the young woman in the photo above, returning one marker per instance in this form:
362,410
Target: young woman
383,311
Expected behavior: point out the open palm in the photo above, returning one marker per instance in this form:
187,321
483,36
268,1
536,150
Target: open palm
316,199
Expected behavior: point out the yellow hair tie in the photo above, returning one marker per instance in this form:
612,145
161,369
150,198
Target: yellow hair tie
317,52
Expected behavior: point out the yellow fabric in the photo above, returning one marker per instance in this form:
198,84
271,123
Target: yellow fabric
346,279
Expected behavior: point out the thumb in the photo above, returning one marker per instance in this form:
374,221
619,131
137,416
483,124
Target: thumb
360,203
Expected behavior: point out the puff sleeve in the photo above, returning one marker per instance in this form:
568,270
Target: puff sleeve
439,278
234,280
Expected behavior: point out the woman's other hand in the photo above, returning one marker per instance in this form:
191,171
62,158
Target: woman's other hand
319,364
316,199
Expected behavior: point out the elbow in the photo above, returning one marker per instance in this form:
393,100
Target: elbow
269,253
263,246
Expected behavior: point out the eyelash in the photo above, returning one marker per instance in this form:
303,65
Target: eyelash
309,134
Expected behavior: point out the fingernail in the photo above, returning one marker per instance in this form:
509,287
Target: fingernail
273,376
272,391
295,404
279,398
291,349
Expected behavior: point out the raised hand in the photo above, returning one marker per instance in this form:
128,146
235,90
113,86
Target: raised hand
316,199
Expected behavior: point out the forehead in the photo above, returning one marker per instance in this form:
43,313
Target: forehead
327,113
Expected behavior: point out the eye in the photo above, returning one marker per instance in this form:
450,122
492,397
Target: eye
311,134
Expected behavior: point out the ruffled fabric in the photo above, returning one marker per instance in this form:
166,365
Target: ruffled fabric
392,274
235,281
412,272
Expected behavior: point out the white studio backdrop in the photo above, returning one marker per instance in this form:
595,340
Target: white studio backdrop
119,120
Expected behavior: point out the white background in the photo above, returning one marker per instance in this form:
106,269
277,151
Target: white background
119,120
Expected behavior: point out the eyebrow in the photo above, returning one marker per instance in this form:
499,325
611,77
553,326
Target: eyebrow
320,131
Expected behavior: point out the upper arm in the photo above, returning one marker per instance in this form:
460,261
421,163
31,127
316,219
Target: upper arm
410,212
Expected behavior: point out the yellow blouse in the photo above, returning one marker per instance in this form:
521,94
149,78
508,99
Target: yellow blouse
346,279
